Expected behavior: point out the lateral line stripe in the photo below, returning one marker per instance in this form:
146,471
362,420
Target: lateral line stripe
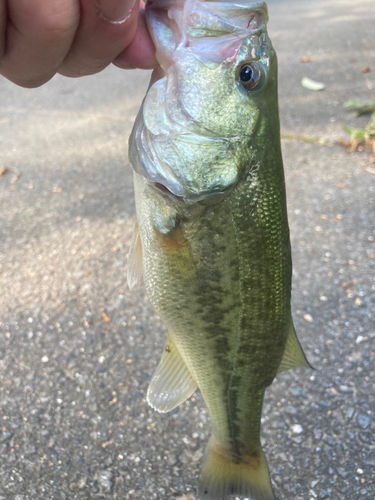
239,324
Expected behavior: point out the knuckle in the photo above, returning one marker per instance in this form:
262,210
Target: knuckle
54,21
54,27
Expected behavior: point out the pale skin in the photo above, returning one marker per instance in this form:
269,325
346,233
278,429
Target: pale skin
39,38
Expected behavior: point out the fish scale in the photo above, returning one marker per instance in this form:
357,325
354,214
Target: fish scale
213,230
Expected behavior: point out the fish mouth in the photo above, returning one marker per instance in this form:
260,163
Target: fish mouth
190,23
163,189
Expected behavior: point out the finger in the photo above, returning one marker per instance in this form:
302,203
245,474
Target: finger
107,27
39,34
3,18
141,51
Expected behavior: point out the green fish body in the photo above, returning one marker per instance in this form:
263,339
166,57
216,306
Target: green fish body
213,238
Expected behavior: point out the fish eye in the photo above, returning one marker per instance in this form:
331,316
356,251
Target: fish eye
248,75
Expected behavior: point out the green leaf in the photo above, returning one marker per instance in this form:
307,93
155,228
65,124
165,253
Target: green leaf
361,107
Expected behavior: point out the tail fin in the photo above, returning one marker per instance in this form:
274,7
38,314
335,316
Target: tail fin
222,475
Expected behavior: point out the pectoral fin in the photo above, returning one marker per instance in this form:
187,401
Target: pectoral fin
172,383
293,353
135,260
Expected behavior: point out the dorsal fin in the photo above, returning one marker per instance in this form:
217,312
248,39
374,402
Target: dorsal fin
135,260
172,383
293,353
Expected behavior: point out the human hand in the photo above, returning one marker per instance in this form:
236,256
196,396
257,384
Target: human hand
39,38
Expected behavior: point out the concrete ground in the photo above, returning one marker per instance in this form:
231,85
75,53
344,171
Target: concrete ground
78,349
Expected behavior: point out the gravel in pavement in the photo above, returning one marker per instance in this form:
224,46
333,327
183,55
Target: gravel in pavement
78,349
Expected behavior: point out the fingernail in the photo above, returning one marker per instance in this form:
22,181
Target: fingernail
114,11
124,65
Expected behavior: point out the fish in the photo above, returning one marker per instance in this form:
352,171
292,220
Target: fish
212,238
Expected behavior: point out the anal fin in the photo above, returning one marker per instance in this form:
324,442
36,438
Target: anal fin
293,353
172,382
135,260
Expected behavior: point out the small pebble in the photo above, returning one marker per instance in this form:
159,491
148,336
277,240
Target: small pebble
44,359
308,318
105,480
330,441
345,389
297,429
318,434
342,472
297,391
366,437
327,453
291,410
81,483
348,412
363,421
298,439
370,458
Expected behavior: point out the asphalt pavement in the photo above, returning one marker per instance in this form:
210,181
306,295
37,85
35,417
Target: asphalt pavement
78,349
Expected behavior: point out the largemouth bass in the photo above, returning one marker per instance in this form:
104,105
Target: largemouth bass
213,238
